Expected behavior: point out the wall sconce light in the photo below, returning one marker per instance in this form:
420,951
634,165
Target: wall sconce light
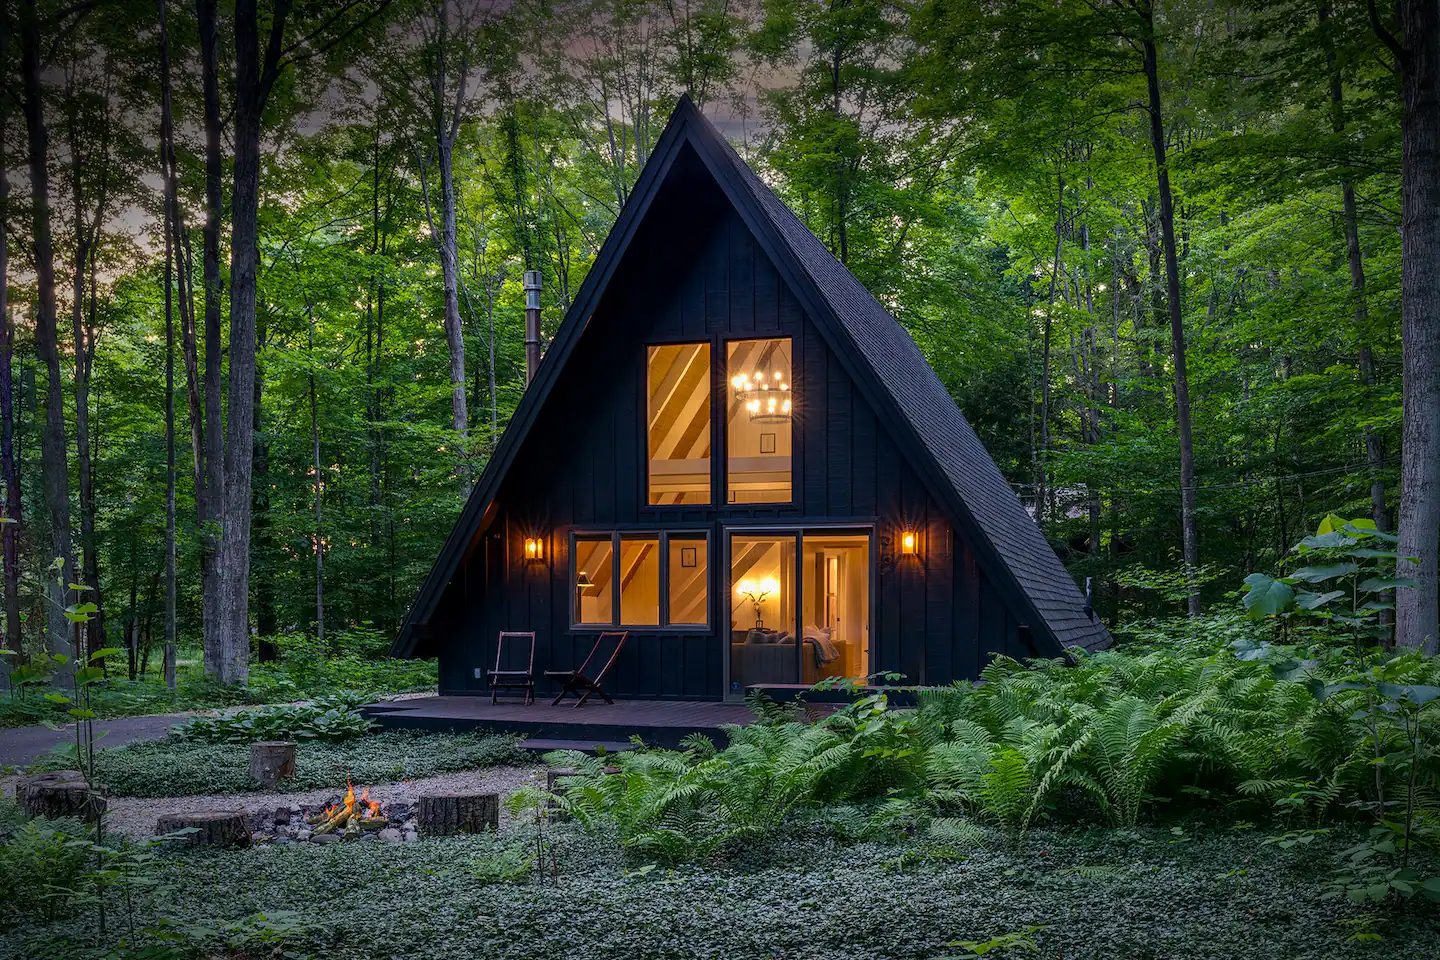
909,542
534,548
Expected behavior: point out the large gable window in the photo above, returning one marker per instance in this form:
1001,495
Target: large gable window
760,408
679,423
641,580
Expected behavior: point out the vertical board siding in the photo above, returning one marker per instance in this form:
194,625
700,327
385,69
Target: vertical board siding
694,271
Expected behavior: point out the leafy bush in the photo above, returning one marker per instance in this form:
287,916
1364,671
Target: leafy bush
1114,739
330,719
42,864
175,767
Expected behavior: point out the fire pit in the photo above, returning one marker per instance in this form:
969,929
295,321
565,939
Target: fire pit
351,817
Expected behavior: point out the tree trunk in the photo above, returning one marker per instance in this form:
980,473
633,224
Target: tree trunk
454,329
1417,613
1042,477
444,121
253,81
265,621
463,812
209,495
271,762
1189,528
87,238
213,828
60,793
54,471
9,475
172,232
319,492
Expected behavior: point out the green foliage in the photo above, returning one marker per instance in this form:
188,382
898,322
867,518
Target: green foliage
1116,738
331,719
1100,894
173,767
303,674
43,864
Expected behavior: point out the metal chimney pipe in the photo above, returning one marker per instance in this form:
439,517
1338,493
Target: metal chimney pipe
532,324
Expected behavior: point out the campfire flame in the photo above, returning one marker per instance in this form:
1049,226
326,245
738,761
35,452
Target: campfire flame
351,815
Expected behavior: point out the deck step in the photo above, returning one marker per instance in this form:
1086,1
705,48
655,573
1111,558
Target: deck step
545,745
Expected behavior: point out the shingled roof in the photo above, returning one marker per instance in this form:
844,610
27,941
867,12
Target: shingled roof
878,352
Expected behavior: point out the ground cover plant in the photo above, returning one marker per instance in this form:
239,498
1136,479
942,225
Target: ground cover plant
177,767
1206,893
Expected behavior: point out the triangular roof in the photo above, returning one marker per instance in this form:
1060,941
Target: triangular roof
876,351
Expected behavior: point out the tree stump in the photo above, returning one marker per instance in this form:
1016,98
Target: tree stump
440,815
271,761
213,828
60,793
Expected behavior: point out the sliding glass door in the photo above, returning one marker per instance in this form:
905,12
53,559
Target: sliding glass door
799,608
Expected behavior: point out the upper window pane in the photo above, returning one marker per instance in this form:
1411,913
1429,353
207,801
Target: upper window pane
639,582
594,579
679,423
689,574
760,409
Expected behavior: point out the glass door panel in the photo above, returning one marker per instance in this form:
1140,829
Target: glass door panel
836,622
763,648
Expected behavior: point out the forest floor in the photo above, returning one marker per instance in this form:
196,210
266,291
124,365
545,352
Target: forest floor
1205,893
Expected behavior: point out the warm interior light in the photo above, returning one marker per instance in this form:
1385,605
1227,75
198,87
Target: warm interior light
907,542
534,548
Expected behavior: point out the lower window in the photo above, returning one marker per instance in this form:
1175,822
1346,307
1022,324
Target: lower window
640,580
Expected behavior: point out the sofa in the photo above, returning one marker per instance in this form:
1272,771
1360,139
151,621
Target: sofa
768,656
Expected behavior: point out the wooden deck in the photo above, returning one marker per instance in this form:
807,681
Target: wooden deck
658,722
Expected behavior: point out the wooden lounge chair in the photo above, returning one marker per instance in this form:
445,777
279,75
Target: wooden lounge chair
513,679
573,682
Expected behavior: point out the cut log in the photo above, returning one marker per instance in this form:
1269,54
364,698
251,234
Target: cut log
441,815
60,793
271,761
213,828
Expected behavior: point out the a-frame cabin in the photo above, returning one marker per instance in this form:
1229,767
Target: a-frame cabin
732,451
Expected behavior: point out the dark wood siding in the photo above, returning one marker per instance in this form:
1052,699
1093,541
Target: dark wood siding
694,272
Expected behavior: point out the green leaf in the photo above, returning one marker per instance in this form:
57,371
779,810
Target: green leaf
1378,584
1418,694
1325,541
1310,601
1266,596
104,652
1327,572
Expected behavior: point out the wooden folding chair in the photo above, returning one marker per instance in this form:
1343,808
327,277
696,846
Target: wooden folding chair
574,681
513,679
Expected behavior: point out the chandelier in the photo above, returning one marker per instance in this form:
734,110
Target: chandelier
766,399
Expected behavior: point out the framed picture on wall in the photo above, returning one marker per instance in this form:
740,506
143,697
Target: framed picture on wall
767,443
687,556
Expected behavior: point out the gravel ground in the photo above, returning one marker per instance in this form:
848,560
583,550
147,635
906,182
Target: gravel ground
136,816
